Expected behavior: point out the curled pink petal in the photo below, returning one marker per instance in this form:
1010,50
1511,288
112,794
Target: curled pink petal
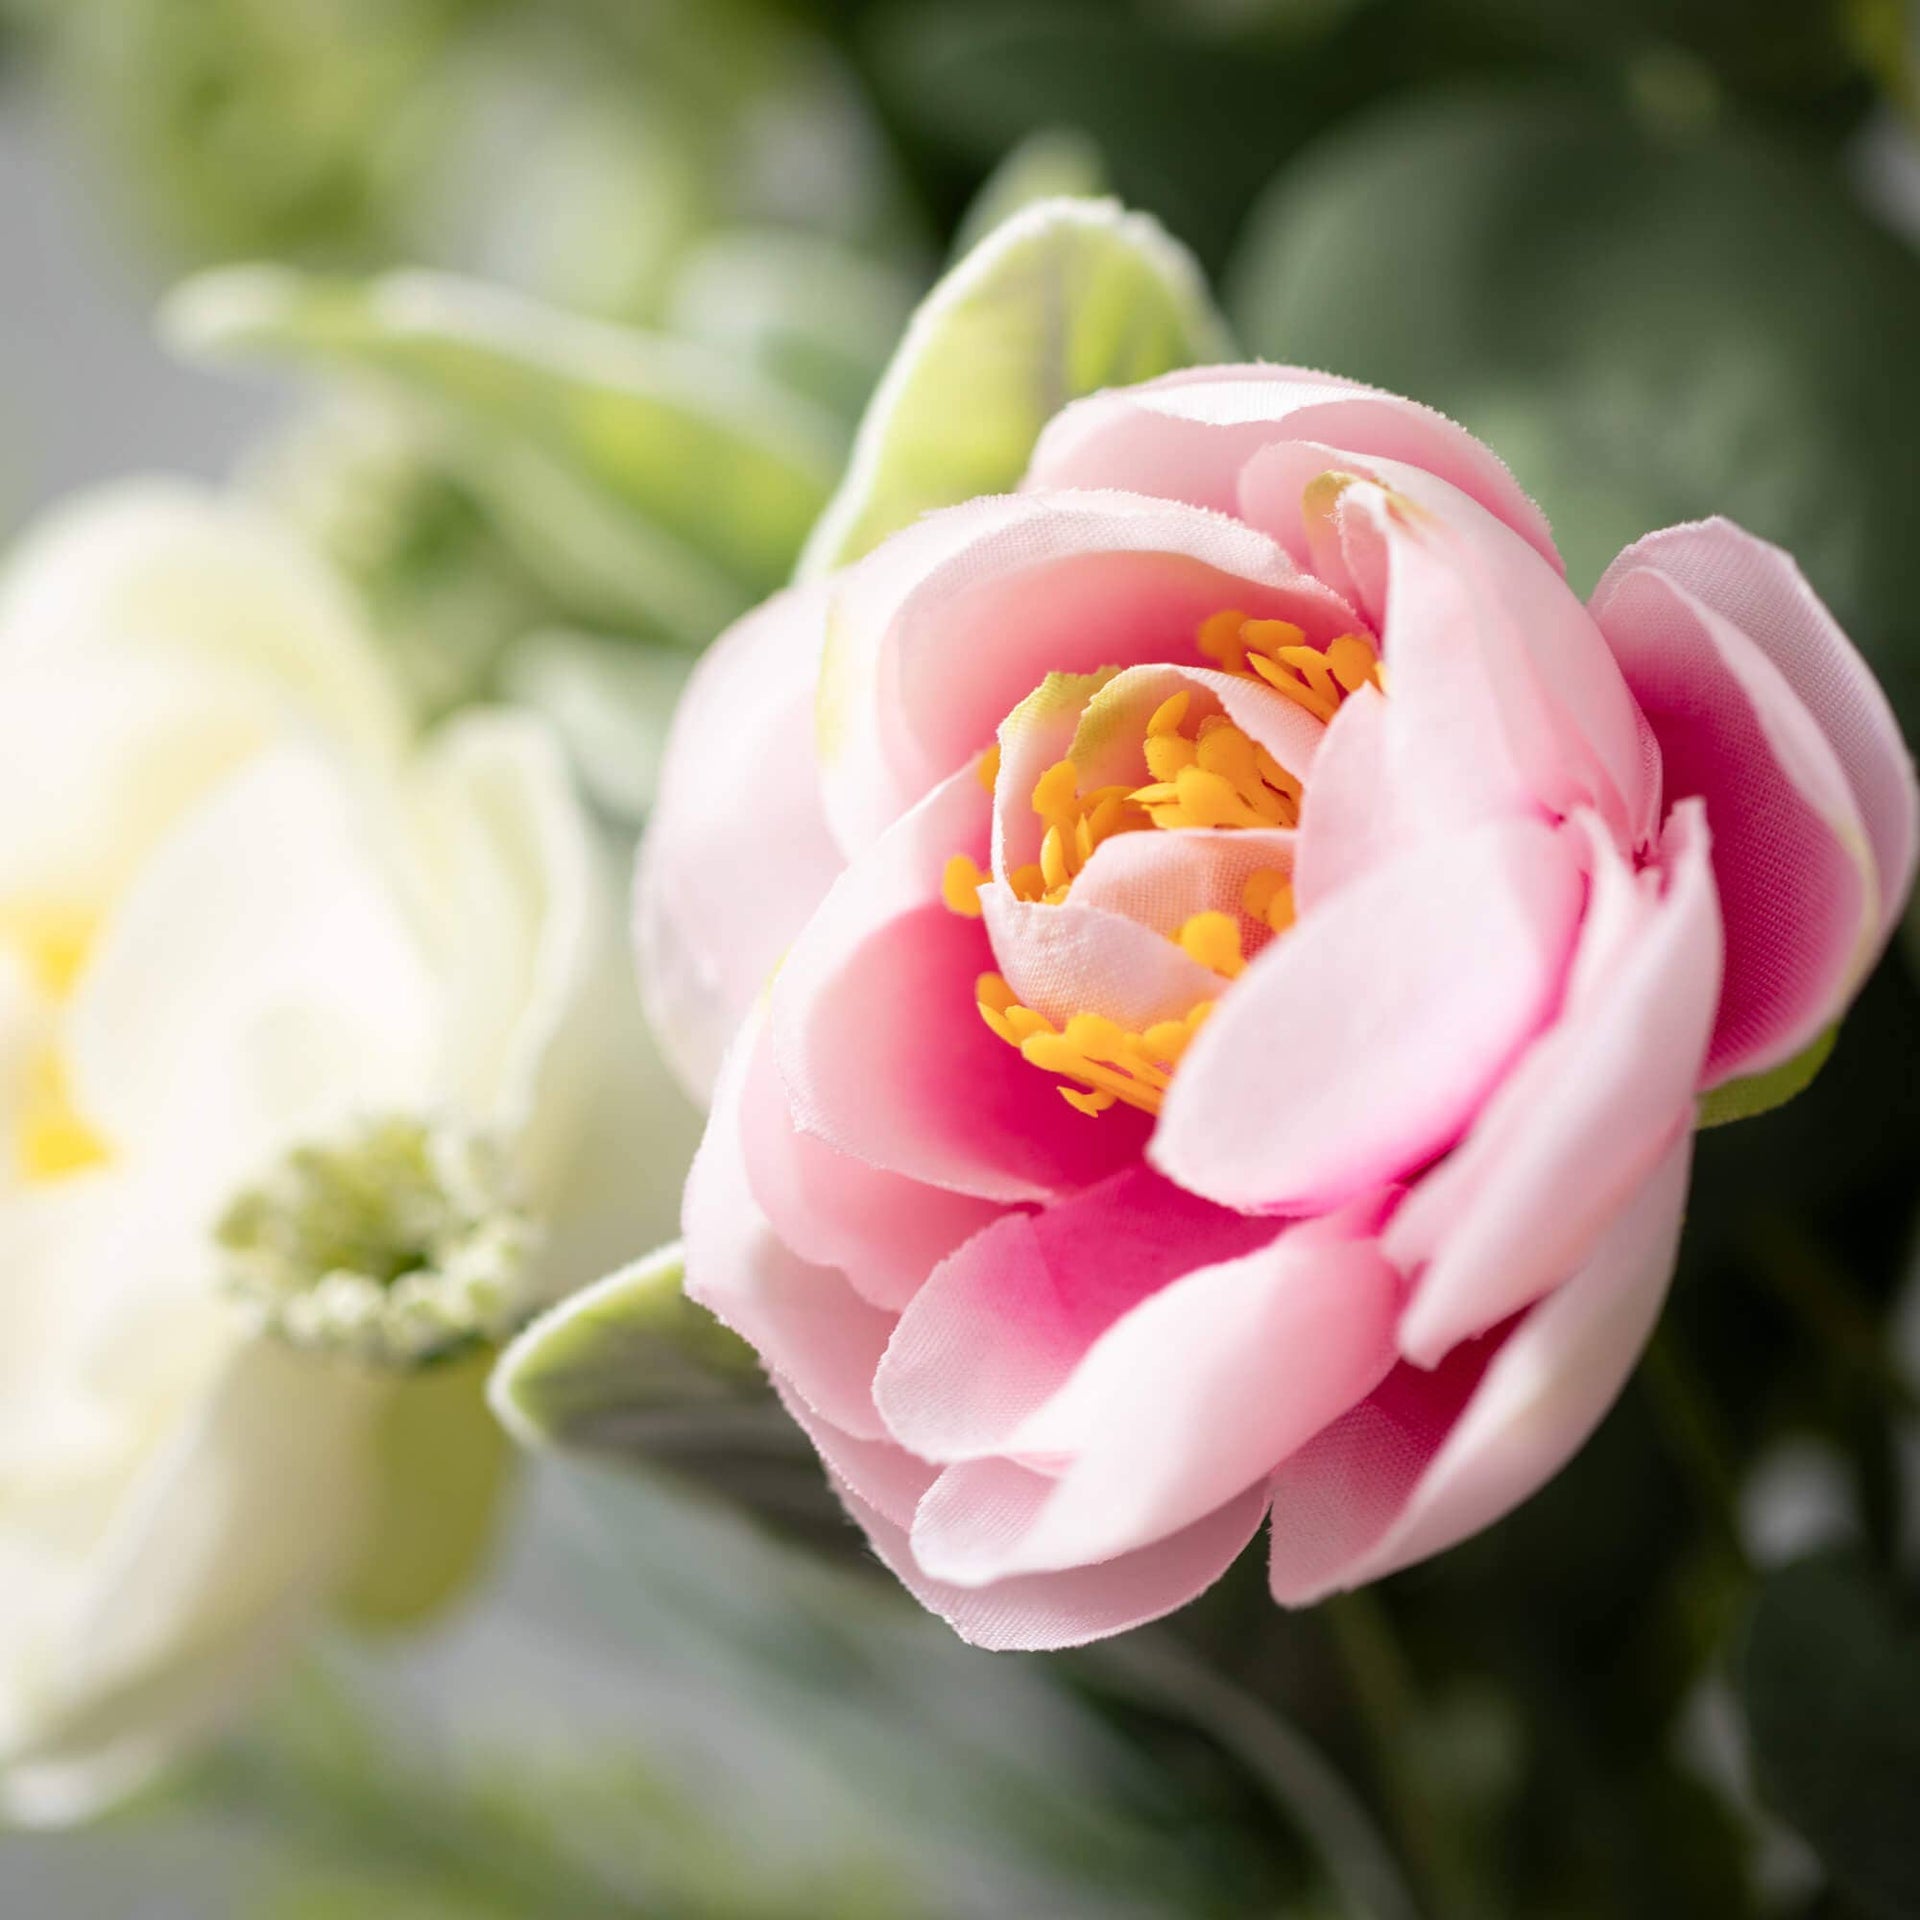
1190,436
1044,1612
1183,1403
1363,1042
1000,1327
938,634
1434,1457
1520,1202
1799,892
1759,590
884,1232
805,1320
881,1046
737,852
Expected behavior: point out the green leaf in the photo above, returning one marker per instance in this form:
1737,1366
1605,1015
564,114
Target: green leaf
1831,1683
1651,326
693,471
592,1371
443,1464
1761,1092
806,310
1067,297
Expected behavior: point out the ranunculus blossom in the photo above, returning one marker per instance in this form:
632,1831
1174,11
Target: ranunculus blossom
299,1030
1217,957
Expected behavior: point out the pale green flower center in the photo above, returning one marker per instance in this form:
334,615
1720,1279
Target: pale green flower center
396,1243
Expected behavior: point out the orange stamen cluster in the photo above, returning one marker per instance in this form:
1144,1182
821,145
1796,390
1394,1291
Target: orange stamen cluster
1276,653
1110,1063
1216,776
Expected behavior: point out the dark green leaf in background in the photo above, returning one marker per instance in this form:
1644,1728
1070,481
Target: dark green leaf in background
1831,1682
1651,325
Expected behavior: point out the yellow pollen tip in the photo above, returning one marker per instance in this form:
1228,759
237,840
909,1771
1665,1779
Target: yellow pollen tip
1268,898
1353,661
987,768
1213,939
52,941
1168,714
960,886
52,1139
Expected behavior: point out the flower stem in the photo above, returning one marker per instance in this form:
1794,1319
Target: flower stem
1155,1668
1383,1688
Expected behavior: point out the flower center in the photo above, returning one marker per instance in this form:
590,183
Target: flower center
51,1138
1214,776
397,1243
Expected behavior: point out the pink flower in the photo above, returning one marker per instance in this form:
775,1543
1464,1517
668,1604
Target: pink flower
1246,945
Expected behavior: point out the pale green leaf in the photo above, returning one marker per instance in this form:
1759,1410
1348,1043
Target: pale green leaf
712,470
1065,298
594,1371
443,1464
1761,1092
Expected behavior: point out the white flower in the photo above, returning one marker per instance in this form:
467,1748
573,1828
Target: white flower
304,1044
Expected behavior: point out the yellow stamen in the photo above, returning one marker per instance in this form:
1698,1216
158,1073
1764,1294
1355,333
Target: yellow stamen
1268,898
987,768
960,886
52,1140
1168,714
1353,661
1109,1063
52,941
1214,940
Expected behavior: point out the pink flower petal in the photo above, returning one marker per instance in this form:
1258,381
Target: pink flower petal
1759,590
805,1321
880,1042
737,853
1183,1403
1487,647
885,1233
1188,437
1433,1457
884,1477
1047,1611
1791,856
943,629
1002,1324
1521,1202
1362,1043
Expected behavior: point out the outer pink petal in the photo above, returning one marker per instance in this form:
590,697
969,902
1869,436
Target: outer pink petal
1522,1200
885,1233
881,1046
1001,1326
942,630
737,852
1505,630
885,1477
1434,1457
1046,1611
1361,1044
805,1321
1183,1403
1759,590
1187,437
1797,889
